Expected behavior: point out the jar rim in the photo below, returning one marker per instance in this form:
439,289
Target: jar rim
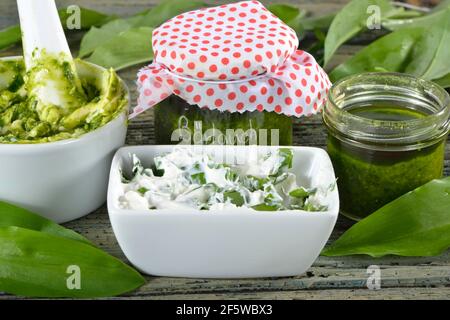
398,89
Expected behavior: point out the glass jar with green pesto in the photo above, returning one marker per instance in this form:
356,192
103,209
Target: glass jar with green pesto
386,136
176,122
231,74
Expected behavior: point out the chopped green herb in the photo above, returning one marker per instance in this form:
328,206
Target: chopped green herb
142,190
198,178
234,197
299,193
265,207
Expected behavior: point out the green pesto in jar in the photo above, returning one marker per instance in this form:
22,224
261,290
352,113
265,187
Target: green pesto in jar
178,122
369,178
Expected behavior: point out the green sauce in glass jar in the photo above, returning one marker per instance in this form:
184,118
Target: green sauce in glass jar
387,135
229,86
176,121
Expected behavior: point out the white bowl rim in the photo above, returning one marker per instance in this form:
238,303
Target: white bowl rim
115,210
70,141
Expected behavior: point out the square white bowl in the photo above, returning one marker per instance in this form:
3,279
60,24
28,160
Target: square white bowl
239,243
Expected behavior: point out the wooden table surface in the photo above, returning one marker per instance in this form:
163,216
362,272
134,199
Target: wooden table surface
328,278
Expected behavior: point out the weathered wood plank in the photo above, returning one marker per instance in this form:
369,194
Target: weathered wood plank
316,279
437,293
440,293
323,279
386,294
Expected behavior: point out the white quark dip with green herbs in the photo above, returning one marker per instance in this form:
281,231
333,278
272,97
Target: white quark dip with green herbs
185,179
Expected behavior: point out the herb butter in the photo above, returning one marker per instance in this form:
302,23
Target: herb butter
186,178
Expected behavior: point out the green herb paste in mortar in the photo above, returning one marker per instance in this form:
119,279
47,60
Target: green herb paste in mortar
368,179
98,99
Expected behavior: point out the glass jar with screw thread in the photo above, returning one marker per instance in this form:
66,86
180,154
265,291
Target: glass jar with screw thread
386,136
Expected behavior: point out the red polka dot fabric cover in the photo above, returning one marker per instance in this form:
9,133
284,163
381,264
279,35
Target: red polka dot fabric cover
236,57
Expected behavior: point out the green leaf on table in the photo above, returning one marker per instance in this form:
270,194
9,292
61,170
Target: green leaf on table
128,48
415,224
167,9
444,81
11,215
430,58
9,36
393,23
444,4
290,15
353,19
422,51
37,264
96,37
389,53
103,43
88,18
322,22
283,11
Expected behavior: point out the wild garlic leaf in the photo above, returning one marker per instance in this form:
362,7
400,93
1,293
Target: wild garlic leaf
321,22
290,15
11,215
166,10
353,19
285,12
97,37
430,57
133,35
88,18
444,4
9,36
426,20
422,51
128,48
35,264
389,53
407,226
12,35
444,81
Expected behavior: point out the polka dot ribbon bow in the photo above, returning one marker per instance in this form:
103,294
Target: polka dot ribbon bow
236,57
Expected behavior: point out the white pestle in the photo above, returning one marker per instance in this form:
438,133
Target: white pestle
42,30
